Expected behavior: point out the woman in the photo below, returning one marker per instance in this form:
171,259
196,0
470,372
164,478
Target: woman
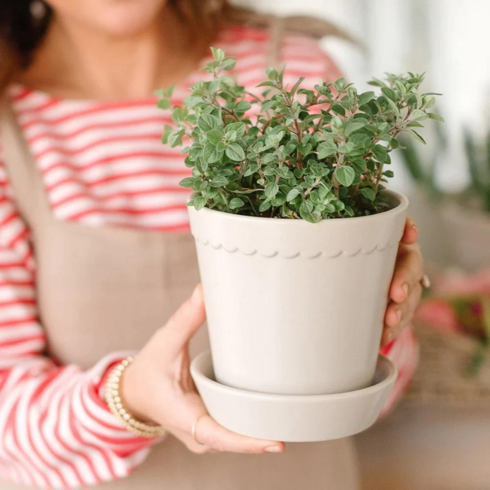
95,254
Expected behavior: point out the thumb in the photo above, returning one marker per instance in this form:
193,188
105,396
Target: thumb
186,320
410,233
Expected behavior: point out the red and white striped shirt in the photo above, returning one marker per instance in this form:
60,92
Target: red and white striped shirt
103,165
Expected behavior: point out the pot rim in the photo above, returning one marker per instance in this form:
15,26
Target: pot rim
401,207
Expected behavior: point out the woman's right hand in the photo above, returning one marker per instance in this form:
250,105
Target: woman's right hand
158,387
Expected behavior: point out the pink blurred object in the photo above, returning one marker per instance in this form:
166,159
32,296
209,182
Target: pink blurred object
459,303
439,314
459,283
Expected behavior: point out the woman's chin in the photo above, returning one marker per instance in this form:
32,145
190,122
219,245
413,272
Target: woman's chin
127,19
114,18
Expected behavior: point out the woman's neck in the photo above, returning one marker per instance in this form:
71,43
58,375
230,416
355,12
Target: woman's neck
75,62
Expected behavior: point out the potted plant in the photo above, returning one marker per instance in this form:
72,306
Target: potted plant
296,234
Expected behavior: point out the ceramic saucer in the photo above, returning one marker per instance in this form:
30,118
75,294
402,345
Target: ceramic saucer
293,418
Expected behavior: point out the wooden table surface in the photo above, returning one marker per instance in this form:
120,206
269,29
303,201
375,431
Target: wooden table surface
424,447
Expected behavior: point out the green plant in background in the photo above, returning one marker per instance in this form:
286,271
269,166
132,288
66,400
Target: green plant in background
423,166
478,158
310,154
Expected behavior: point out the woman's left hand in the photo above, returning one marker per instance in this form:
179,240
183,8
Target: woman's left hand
406,288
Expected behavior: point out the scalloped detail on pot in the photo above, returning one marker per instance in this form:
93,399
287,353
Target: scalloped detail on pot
277,253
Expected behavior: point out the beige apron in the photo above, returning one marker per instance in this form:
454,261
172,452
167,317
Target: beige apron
103,289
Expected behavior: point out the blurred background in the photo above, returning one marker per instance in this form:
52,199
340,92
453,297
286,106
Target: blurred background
439,437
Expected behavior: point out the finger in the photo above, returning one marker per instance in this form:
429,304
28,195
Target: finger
410,233
408,271
399,316
393,315
191,444
407,308
186,320
402,313
211,434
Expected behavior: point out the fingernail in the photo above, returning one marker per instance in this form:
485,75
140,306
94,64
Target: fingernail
196,295
405,290
273,449
414,227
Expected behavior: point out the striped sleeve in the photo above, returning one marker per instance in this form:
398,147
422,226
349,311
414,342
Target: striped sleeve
55,430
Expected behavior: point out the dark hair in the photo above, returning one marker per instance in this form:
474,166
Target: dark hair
21,31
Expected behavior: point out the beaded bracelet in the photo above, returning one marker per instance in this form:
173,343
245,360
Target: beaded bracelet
116,405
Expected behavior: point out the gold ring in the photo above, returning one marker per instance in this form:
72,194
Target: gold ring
194,427
425,281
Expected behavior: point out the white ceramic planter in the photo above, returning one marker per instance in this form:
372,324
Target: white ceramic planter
294,307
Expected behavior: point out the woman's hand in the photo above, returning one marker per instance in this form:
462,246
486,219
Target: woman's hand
406,288
158,387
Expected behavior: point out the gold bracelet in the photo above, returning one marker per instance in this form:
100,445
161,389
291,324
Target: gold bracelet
116,405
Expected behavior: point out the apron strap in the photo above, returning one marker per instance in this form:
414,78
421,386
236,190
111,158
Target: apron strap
22,170
276,35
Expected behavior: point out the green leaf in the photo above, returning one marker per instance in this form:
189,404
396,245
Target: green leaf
348,147
272,73
353,126
251,170
436,117
338,109
228,64
265,206
305,149
218,54
266,84
394,107
292,194
175,139
188,182
211,153
235,152
199,202
178,114
192,101
163,104
207,122
326,150
345,175
219,181
243,106
237,127
418,115
167,131
271,189
417,136
359,165
279,200
296,85
368,193
366,97
381,154
389,94
305,211
214,136
377,83
236,203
